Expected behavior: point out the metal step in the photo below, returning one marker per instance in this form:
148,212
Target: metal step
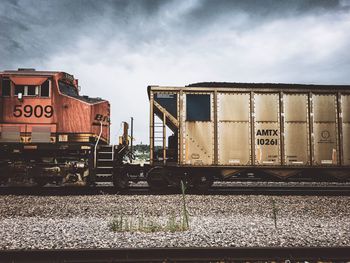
103,175
105,160
104,184
104,167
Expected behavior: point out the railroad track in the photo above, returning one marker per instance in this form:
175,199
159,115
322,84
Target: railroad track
334,254
216,190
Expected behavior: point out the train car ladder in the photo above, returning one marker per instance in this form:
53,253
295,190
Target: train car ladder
159,137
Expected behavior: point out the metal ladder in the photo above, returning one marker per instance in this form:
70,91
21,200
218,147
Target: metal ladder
160,135
104,165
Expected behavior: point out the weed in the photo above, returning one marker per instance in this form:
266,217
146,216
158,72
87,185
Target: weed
274,211
185,216
173,224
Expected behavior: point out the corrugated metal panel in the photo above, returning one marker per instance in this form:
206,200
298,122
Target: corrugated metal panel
267,129
346,143
325,130
345,99
266,107
267,145
233,129
234,143
324,108
325,143
296,129
296,143
345,102
296,107
233,106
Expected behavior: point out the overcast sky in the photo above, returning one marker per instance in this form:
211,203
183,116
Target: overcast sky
117,48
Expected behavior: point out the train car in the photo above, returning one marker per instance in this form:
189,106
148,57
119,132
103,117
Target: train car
48,131
248,131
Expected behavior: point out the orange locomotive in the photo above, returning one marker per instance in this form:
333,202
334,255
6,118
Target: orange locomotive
48,131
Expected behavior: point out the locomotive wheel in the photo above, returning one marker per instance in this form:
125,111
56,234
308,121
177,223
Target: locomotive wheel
202,183
40,182
121,180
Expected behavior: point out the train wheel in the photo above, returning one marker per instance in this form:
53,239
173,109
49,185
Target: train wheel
40,182
202,183
157,185
156,180
120,179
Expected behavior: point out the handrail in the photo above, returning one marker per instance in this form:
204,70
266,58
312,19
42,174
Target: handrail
98,140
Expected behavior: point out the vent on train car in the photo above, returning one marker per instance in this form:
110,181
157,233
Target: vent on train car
26,69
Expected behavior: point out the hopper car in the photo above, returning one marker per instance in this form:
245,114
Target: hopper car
199,133
249,131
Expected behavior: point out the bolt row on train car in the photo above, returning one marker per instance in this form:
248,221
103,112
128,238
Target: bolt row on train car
249,131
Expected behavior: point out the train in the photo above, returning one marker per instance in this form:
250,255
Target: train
199,133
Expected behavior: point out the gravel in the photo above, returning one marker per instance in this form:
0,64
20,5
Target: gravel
29,222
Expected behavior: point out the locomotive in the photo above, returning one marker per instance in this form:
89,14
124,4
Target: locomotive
49,133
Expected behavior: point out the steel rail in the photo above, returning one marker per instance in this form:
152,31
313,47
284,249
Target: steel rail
293,254
216,190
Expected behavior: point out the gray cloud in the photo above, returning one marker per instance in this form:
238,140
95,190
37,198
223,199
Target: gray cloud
31,30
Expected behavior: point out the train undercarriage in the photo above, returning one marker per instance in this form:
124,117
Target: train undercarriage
77,164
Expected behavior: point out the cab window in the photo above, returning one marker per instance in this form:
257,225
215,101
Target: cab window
31,90
45,89
67,89
6,87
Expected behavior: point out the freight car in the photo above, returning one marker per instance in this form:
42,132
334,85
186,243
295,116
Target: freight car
248,131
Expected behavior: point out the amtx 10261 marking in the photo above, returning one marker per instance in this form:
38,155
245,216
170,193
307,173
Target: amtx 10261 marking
266,141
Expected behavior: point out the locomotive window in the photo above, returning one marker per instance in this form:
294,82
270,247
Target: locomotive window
45,89
19,89
6,87
31,90
68,89
197,107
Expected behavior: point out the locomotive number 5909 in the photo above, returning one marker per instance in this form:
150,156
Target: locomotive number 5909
29,110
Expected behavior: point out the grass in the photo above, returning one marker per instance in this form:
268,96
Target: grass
274,212
173,223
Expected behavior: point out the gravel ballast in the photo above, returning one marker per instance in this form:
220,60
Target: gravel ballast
30,222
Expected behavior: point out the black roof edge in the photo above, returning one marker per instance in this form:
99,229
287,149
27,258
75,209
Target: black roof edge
264,85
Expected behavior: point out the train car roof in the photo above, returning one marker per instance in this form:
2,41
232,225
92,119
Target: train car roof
265,85
26,72
252,86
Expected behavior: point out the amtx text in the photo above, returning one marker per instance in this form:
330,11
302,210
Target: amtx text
268,132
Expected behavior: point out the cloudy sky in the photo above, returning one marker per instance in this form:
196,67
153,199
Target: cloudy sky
117,48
